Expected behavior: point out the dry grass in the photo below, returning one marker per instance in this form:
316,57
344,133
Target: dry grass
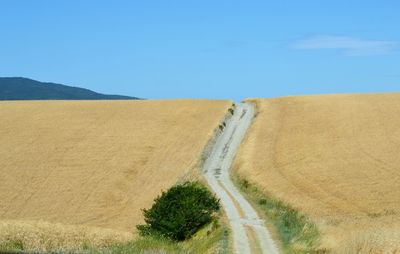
336,159
97,163
44,236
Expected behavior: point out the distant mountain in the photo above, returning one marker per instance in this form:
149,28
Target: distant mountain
28,89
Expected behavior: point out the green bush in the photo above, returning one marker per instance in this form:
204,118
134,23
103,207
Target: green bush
180,212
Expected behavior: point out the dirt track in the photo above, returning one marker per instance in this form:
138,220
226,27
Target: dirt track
249,232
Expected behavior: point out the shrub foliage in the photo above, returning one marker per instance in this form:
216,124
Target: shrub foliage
180,212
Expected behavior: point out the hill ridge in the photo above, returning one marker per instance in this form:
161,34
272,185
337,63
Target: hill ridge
21,88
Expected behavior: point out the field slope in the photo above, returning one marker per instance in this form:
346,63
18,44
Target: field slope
336,159
95,164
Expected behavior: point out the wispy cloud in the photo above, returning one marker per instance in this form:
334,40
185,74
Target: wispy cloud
349,45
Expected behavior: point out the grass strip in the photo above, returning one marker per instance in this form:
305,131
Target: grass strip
296,232
211,239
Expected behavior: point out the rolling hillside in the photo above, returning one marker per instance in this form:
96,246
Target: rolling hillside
28,89
76,172
336,159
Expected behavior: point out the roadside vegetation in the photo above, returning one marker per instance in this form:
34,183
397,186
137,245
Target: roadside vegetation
180,212
183,219
213,238
295,232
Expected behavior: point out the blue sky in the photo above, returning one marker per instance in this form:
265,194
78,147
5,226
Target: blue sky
204,49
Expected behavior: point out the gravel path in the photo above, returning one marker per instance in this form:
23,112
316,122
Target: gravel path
249,232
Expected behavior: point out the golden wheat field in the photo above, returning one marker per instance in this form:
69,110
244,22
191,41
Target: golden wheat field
337,159
81,171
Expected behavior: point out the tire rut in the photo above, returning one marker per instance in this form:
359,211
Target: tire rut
241,215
